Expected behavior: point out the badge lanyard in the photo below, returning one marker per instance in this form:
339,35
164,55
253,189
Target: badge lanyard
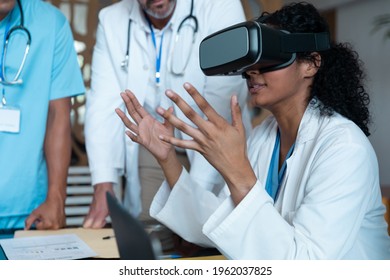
275,176
158,53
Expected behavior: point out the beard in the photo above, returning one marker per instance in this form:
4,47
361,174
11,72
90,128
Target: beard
156,13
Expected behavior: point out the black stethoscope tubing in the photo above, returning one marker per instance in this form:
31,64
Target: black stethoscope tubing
189,17
21,26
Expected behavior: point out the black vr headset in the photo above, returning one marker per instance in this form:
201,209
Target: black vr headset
253,45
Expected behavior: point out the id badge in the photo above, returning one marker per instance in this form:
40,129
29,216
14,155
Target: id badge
9,119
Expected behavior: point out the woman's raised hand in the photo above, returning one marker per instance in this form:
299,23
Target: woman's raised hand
146,130
221,143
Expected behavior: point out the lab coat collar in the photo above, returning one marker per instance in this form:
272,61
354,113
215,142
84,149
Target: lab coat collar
136,16
308,128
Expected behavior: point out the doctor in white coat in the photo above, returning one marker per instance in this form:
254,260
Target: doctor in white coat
157,59
307,187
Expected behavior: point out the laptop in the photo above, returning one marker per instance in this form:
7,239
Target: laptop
133,241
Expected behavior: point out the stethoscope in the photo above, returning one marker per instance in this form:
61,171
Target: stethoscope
191,16
19,28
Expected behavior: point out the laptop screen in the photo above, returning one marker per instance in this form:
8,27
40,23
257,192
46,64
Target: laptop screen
133,242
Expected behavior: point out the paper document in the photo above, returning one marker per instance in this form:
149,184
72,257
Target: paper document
50,247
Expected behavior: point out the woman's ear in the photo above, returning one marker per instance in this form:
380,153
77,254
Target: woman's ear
313,65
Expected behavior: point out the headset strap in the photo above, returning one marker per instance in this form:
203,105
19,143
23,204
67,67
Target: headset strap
305,42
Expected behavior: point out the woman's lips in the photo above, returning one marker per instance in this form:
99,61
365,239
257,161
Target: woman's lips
255,87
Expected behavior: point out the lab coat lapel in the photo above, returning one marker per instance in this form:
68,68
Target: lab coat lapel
139,56
260,155
290,195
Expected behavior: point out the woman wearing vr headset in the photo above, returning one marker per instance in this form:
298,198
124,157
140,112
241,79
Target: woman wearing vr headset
305,185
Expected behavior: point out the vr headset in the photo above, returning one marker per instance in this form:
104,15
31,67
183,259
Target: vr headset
253,45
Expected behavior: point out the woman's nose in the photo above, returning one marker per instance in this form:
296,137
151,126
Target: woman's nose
251,72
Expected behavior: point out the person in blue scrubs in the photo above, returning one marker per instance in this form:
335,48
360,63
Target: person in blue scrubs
35,126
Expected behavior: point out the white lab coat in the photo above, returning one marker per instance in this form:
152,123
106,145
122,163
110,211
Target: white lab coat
110,152
329,206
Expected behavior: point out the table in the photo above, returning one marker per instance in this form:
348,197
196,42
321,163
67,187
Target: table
105,248
102,241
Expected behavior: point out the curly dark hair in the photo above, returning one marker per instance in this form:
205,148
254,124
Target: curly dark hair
338,83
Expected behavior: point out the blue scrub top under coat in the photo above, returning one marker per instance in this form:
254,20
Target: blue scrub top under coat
51,72
275,175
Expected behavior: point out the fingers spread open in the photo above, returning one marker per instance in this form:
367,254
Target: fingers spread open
133,137
136,111
127,122
184,144
179,124
202,103
185,108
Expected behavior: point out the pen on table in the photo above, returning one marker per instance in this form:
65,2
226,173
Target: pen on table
108,237
171,256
